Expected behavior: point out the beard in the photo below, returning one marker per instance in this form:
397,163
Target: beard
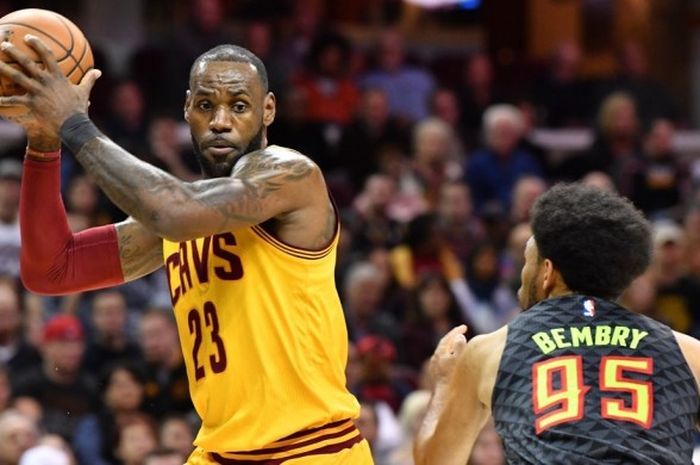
223,169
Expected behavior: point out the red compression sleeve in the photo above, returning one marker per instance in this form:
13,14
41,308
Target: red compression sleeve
54,260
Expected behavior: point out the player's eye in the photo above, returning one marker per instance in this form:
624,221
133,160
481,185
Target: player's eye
204,105
239,107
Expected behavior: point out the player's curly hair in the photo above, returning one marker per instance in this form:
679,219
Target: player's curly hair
230,52
597,240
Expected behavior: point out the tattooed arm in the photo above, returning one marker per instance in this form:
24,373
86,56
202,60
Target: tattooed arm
265,184
140,251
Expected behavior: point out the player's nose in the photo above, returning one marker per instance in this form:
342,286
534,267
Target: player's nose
221,120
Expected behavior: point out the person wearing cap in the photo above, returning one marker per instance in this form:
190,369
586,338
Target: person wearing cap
10,176
678,294
64,390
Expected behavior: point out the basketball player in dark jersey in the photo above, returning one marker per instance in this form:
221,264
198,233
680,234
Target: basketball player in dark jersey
576,378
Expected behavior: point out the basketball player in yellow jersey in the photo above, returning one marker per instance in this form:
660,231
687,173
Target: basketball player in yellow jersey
249,252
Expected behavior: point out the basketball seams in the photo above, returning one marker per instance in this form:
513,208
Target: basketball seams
33,28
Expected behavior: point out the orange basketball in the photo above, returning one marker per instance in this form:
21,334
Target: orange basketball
60,35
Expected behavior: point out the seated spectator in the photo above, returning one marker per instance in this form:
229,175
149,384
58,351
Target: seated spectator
165,150
109,341
368,220
371,129
408,88
459,226
136,439
599,180
433,312
616,149
44,454
167,388
640,295
65,392
83,198
513,257
332,96
122,387
363,292
525,193
378,382
562,98
477,93
377,424
423,251
661,179
18,434
677,293
176,434
493,171
445,106
436,160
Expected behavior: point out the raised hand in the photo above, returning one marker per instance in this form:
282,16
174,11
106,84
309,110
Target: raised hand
51,98
444,359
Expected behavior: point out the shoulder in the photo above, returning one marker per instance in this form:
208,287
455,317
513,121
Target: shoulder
278,160
482,358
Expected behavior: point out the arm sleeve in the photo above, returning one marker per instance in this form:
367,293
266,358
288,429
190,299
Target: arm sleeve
53,260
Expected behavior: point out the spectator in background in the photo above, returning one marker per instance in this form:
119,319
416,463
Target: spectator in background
525,193
640,295
122,385
368,424
176,434
460,228
370,130
293,128
616,150
422,252
662,179
83,198
477,94
436,160
18,433
599,180
561,97
109,341
167,390
164,457
166,150
16,354
378,382
10,176
368,220
444,105
363,293
677,293
652,99
5,388
513,257
137,439
408,88
65,392
127,123
495,302
332,96
493,171
411,416
432,312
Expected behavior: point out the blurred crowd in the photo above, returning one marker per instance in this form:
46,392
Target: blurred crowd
434,172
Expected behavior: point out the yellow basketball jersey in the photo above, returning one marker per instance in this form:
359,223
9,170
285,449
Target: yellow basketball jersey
264,338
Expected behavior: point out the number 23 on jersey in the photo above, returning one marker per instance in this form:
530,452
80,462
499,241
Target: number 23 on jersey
563,404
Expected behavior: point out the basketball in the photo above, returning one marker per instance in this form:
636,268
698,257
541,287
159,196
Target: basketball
60,35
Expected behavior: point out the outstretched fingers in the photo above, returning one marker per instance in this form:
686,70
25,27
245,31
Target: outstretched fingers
30,66
18,77
45,54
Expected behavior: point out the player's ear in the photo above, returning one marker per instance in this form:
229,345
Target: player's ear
550,277
269,109
188,99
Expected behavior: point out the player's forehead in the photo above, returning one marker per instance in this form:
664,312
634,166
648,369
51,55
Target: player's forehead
229,76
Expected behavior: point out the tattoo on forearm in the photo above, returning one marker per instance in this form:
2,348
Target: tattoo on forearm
143,191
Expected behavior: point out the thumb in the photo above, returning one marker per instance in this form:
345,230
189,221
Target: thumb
89,79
